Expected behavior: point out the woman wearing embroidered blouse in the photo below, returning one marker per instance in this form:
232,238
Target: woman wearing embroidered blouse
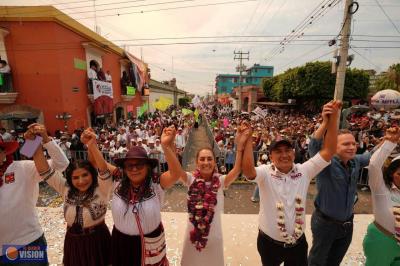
203,243
87,240
382,242
138,235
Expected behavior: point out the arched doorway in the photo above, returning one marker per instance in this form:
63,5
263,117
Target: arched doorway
245,105
119,113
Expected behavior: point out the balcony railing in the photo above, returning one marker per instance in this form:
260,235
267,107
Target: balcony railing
6,82
7,93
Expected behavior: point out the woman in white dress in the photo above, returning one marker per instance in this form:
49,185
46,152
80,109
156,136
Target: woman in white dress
203,244
382,241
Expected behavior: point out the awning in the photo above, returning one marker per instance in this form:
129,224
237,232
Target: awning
141,71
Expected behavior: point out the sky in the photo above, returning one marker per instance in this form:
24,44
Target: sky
225,26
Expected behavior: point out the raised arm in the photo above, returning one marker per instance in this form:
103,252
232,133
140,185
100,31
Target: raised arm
242,135
248,160
175,171
58,159
375,180
54,178
330,140
88,137
326,111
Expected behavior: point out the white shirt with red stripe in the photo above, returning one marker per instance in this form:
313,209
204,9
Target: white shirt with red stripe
276,186
19,223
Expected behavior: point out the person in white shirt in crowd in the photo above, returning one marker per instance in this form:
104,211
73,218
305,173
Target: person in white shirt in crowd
122,136
180,141
65,146
108,76
92,73
19,191
5,135
145,146
163,163
122,149
152,148
382,241
283,189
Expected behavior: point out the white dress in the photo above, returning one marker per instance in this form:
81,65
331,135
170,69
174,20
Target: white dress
213,253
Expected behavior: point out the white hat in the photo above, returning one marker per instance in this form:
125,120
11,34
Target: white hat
157,140
179,128
264,157
151,141
139,139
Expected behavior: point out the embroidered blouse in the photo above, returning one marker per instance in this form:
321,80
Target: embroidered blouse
149,210
92,209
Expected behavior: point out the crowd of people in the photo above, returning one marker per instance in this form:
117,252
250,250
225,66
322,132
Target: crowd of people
137,188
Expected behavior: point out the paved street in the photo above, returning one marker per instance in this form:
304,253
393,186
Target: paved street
240,232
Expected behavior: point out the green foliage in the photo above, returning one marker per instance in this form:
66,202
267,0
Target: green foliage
313,85
391,80
183,102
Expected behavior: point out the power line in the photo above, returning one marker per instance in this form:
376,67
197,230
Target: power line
175,8
387,16
365,58
298,32
144,5
31,47
302,55
142,11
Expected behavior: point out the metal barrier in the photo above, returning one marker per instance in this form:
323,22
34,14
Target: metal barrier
210,135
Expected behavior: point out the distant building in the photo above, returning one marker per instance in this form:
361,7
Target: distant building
227,85
224,83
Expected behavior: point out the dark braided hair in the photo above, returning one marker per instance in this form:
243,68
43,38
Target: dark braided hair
85,164
388,173
144,192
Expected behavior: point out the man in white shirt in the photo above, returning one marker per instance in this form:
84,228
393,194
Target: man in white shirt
19,191
5,135
108,76
283,193
122,136
180,139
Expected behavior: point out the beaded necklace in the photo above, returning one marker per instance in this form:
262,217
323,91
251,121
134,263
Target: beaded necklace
202,199
298,229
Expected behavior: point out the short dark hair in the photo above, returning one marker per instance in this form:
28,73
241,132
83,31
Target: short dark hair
388,173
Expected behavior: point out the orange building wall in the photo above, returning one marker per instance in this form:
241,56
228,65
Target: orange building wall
41,55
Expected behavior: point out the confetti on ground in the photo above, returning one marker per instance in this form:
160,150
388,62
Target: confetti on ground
240,234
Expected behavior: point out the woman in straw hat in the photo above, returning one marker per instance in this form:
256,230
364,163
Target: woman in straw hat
382,241
138,235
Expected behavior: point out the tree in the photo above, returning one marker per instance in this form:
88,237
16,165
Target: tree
391,80
313,84
183,102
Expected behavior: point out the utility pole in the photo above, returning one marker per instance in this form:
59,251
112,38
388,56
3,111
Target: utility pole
344,49
240,68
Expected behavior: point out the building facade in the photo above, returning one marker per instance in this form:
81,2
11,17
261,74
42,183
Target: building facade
224,83
50,55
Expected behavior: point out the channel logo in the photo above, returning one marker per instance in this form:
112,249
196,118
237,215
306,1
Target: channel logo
17,253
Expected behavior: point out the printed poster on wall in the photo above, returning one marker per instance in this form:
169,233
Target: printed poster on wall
103,97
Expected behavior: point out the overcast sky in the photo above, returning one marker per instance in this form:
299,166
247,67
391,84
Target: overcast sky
196,65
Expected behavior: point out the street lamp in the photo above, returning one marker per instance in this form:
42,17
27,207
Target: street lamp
65,117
